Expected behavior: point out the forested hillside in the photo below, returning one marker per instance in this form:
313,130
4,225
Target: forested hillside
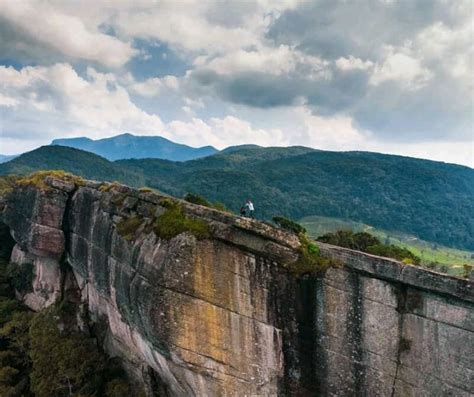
432,200
79,162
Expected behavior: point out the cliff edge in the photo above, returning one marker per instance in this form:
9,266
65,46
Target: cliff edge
208,305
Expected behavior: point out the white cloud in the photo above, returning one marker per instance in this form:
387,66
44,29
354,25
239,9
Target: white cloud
154,86
403,68
95,105
328,133
184,25
223,132
451,49
274,61
67,34
7,101
352,63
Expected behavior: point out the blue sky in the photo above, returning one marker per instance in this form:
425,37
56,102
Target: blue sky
377,75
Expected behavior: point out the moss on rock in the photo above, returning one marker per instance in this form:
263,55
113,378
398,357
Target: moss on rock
310,260
38,179
173,222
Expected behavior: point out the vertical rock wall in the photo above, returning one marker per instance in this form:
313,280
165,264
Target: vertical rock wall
388,330
223,316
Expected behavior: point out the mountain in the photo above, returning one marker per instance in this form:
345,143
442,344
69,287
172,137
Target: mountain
79,162
127,146
431,200
4,158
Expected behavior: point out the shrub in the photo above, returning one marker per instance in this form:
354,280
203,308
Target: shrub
21,276
467,270
310,260
431,265
392,251
196,199
365,242
200,200
288,224
128,227
7,183
174,222
346,238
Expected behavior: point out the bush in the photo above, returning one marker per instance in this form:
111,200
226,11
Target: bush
200,200
365,242
197,199
174,222
392,251
21,277
467,270
288,224
310,260
346,238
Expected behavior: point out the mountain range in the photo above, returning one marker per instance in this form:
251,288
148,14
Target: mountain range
4,158
431,200
128,146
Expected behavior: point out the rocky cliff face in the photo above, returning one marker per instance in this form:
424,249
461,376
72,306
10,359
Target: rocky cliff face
224,315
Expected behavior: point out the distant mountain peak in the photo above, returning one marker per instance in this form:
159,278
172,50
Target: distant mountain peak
129,146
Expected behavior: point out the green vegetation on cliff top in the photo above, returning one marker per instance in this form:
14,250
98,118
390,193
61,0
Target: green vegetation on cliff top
427,199
432,255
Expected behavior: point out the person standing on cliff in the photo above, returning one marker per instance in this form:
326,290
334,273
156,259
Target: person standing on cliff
250,208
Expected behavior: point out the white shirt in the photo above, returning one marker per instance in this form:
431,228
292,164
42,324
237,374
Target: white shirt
250,206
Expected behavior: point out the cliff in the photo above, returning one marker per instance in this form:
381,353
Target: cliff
216,310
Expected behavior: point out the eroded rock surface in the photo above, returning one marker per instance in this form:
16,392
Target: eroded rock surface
224,316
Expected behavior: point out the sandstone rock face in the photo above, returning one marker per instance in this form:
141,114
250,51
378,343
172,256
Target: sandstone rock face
224,316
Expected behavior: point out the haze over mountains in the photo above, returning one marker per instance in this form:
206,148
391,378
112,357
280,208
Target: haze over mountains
128,146
431,200
4,158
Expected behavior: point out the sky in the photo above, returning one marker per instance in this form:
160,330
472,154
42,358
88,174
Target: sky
377,75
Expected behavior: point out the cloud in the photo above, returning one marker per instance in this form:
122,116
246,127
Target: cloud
56,99
274,61
65,33
154,86
224,132
402,68
343,74
352,63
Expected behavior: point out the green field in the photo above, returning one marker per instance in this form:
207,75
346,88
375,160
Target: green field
448,260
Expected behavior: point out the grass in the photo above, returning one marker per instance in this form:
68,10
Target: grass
38,178
173,222
310,260
7,183
447,260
